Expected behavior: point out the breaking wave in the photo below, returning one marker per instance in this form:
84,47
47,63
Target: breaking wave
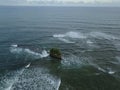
89,42
79,35
18,50
102,35
67,37
111,72
70,35
65,40
27,66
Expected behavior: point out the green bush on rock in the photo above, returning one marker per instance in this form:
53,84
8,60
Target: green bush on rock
55,53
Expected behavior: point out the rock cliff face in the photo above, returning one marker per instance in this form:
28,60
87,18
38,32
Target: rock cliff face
55,53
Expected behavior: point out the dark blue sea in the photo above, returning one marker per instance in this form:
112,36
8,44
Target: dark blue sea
88,37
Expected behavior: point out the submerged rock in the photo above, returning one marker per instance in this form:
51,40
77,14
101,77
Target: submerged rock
55,53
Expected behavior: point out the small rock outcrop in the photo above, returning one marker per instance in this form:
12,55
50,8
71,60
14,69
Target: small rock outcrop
55,53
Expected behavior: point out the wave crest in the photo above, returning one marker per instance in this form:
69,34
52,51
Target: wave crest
17,50
70,35
102,35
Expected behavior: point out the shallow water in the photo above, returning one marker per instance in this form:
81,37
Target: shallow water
89,39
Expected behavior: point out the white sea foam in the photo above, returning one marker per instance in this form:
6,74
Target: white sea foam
102,35
58,85
111,72
18,50
10,79
89,42
70,35
107,70
101,69
79,35
74,62
27,66
59,35
97,66
9,88
75,35
37,78
14,45
66,37
65,40
44,53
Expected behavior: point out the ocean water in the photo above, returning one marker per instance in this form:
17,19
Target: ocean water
88,37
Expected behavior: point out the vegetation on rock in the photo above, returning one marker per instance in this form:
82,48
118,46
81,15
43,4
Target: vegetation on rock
55,53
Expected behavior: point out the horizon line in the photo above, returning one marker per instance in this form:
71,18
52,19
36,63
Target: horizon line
59,6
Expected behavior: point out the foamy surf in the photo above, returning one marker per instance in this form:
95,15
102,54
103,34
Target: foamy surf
10,79
89,42
70,34
74,62
9,88
104,70
59,35
58,85
102,35
18,50
97,66
27,66
101,69
111,72
44,54
14,45
67,37
37,78
65,40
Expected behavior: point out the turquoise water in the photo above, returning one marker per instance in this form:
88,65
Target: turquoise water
88,37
